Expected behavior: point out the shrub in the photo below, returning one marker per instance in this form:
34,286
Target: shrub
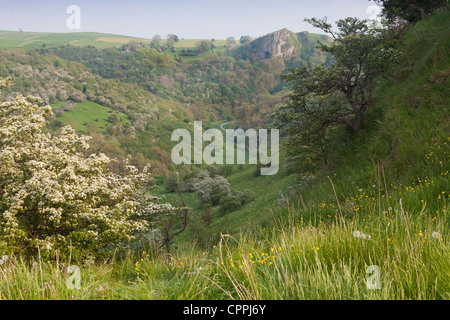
211,190
52,196
171,183
235,200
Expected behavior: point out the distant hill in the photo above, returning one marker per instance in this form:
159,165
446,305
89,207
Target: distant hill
151,87
34,40
291,47
31,40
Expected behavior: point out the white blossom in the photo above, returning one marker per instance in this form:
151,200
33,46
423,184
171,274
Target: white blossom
358,234
47,181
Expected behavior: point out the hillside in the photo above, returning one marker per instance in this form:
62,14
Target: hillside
34,40
151,85
390,182
293,49
405,140
378,208
394,154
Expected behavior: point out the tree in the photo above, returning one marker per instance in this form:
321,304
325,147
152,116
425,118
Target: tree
54,197
235,200
114,118
203,46
231,40
409,10
326,96
171,39
156,40
162,217
201,227
171,183
245,39
133,45
211,190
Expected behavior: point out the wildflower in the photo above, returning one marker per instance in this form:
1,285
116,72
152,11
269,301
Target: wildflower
366,236
420,234
435,235
356,234
3,259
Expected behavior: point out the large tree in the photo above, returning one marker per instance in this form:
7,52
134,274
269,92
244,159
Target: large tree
245,39
171,39
203,46
54,197
339,91
409,10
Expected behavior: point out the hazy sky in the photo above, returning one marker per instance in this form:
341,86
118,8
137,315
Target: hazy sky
194,19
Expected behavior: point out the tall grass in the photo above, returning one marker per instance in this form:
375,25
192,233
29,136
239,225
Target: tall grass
306,254
312,248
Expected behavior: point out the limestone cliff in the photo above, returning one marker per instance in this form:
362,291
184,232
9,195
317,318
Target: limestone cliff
276,44
291,48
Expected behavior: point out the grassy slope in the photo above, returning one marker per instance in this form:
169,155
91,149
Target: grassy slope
32,40
268,192
308,251
88,111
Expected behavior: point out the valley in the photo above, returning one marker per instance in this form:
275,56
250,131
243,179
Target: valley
88,175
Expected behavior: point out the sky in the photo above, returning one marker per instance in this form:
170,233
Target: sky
189,19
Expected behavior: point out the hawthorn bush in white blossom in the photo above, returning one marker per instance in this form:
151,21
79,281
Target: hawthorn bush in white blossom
54,197
211,190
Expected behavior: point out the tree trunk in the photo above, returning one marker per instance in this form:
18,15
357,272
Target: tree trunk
423,15
357,123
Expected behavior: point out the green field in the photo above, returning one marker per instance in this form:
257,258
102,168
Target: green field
191,43
32,40
89,112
